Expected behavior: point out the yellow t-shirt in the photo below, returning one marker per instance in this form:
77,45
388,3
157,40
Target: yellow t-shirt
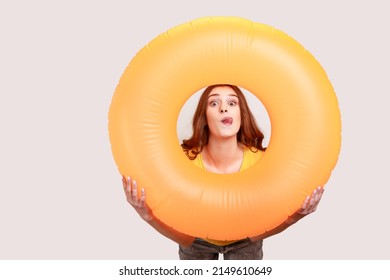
249,159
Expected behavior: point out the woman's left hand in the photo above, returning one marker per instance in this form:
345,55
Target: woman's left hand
308,206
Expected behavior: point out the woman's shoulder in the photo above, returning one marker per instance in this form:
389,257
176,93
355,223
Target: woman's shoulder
196,159
251,156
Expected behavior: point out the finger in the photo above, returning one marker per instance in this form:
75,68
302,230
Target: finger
312,201
317,195
143,198
304,205
318,198
322,189
127,188
124,182
134,191
128,185
307,205
306,202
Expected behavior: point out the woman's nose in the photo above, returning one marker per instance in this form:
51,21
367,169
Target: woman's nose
223,108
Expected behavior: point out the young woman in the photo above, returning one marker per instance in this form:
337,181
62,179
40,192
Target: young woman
225,140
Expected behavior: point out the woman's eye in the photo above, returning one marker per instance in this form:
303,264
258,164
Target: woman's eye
232,103
213,103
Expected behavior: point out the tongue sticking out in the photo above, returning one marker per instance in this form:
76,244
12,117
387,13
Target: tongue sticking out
227,121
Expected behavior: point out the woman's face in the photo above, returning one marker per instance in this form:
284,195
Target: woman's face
223,112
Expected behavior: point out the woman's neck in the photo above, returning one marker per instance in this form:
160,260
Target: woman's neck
222,155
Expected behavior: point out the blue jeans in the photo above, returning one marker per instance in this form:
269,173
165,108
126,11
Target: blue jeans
243,249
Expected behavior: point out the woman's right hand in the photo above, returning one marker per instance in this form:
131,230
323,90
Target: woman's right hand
139,204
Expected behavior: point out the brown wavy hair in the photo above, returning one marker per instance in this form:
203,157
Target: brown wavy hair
249,134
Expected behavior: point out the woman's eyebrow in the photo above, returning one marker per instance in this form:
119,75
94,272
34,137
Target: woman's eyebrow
217,94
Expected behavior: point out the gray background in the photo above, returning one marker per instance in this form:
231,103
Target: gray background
60,61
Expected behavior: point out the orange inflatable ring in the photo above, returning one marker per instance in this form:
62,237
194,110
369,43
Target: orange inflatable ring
292,85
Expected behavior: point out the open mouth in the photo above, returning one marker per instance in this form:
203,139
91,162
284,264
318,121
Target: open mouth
227,121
